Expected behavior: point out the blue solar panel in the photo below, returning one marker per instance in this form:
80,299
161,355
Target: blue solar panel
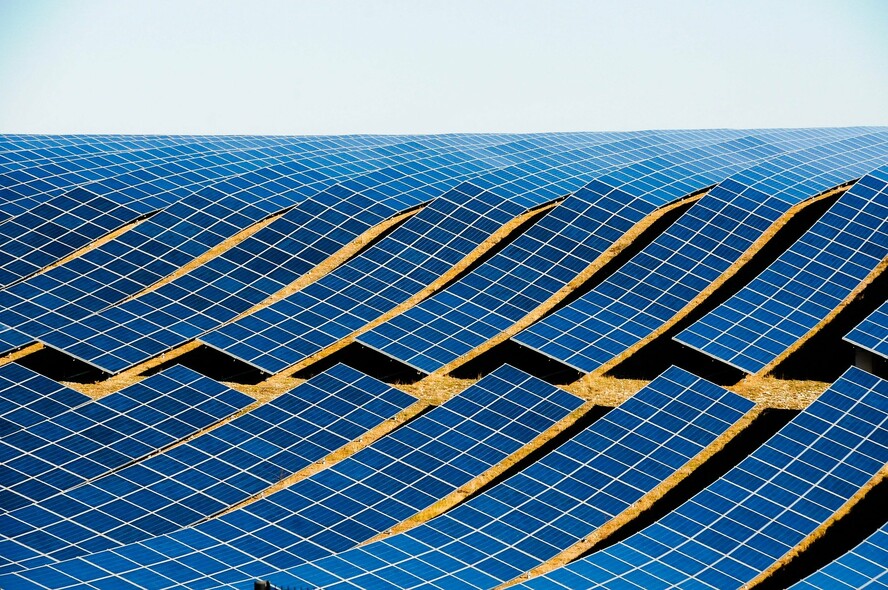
27,398
755,515
779,308
94,438
865,566
872,333
353,500
551,505
658,285
552,253
202,476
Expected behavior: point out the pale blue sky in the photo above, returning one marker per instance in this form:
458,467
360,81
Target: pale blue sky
416,66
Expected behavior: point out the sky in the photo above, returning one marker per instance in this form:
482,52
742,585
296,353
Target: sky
423,66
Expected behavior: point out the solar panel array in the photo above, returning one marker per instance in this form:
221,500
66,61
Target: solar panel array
753,516
94,438
266,248
653,288
264,263
871,334
551,505
359,497
553,252
202,476
173,237
405,262
811,279
865,566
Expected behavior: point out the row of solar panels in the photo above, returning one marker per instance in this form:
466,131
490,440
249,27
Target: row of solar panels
88,501
88,505
98,307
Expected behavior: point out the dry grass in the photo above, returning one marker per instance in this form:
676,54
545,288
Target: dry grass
606,391
595,266
819,531
779,393
713,286
828,318
645,503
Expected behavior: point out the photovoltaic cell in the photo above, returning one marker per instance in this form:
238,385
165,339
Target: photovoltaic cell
803,286
27,398
872,332
202,476
760,510
94,438
554,251
353,500
659,282
549,506
865,566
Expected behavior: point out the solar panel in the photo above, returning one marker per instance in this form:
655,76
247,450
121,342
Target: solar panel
549,506
404,263
266,262
351,501
202,476
27,398
871,334
757,513
657,286
865,566
779,308
552,253
94,438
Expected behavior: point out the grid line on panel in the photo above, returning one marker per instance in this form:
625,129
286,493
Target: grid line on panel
202,476
758,514
98,437
806,285
380,486
553,504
